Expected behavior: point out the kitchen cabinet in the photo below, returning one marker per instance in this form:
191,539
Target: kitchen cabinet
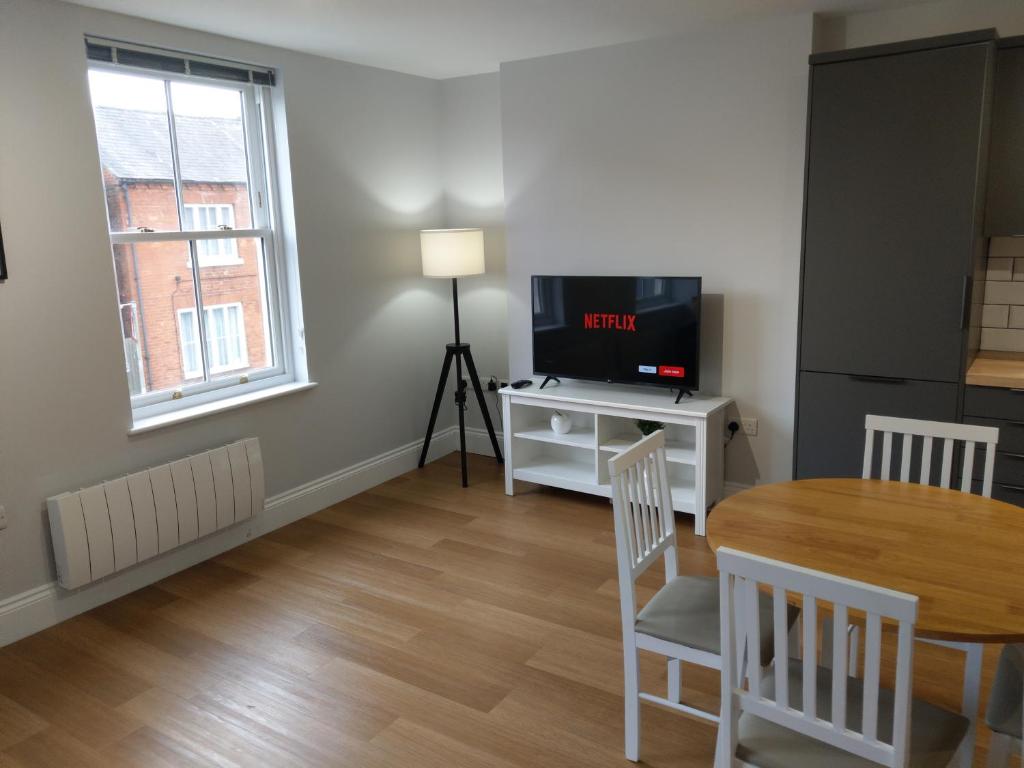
893,249
1005,208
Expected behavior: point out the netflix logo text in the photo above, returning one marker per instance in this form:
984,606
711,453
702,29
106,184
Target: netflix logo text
608,321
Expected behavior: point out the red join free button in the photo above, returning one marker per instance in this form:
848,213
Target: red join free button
676,371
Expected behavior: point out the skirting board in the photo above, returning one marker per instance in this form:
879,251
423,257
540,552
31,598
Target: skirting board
43,606
730,488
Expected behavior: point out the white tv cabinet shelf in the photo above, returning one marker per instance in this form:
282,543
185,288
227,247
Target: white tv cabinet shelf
603,423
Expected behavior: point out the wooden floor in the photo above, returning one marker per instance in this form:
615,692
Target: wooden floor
418,624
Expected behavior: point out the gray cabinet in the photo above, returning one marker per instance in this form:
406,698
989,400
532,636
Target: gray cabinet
831,411
1002,408
1005,210
893,250
892,187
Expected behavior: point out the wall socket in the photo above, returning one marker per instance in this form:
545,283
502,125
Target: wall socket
3,517
749,426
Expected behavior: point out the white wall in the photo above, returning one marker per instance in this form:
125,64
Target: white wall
678,157
365,174
475,197
924,20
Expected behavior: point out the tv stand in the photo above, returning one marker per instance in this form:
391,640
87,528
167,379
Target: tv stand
683,391
604,420
549,378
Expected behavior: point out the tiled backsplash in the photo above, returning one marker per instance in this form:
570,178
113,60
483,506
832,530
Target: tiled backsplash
1002,319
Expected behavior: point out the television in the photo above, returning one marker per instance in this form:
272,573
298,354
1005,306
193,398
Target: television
626,330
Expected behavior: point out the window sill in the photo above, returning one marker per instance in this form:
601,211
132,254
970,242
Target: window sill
148,424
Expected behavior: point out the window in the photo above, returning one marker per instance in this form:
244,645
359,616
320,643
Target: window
225,340
212,253
186,165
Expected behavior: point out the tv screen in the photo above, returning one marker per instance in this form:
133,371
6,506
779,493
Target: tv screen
630,330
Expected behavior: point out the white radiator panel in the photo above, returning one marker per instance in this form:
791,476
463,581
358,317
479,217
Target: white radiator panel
255,456
166,511
97,531
223,491
240,481
185,498
144,514
111,526
206,500
122,522
70,546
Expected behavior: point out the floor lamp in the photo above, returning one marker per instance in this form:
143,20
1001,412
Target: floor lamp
456,253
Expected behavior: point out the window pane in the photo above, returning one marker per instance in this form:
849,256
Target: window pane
157,296
135,151
238,335
191,358
211,148
205,217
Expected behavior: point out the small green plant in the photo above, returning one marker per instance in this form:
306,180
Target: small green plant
648,427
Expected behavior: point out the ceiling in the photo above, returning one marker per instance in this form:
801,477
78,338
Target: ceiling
449,38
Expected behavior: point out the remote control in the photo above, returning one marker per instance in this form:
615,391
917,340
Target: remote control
521,383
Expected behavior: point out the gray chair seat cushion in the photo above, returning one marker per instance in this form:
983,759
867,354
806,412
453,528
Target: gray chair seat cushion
1007,699
685,611
935,733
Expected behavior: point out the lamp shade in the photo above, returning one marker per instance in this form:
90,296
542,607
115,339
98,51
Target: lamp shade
452,252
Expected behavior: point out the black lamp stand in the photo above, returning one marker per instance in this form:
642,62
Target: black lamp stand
458,351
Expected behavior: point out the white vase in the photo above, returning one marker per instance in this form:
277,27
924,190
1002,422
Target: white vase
560,423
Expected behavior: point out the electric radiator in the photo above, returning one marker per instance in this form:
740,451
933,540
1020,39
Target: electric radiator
114,525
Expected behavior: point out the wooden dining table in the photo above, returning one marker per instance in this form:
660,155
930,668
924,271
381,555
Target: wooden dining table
961,554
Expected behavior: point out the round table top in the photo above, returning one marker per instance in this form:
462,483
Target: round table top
960,553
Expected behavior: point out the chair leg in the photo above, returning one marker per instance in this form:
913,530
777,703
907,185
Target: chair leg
999,748
675,680
632,692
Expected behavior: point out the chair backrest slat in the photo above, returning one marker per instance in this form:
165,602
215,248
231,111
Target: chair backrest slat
907,444
947,463
752,619
990,463
926,460
904,686
840,640
968,473
886,455
741,577
869,451
809,617
872,668
647,501
780,630
970,435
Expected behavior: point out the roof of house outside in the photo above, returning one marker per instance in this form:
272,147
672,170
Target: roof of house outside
135,145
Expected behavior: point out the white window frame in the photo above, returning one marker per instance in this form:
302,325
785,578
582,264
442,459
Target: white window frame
264,205
134,307
229,257
193,322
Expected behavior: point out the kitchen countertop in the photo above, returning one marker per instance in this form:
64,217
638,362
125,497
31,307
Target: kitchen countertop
997,369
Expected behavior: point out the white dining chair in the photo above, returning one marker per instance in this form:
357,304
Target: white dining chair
1005,713
801,715
932,434
681,621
